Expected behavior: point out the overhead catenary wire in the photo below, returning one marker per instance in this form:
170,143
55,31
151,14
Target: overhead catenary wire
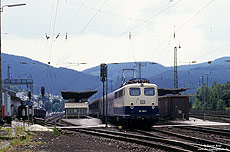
52,38
53,32
85,27
79,34
181,27
75,14
132,28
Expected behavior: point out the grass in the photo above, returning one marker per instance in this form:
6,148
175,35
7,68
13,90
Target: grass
8,130
56,132
21,137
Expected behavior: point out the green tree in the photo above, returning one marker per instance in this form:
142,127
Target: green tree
215,97
197,104
56,107
48,106
221,104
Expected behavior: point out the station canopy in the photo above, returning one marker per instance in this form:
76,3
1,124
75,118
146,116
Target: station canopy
77,96
164,91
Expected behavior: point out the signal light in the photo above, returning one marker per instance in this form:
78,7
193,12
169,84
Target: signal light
29,94
103,69
43,91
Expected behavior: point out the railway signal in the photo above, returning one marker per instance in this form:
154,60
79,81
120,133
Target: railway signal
103,69
29,94
43,91
43,95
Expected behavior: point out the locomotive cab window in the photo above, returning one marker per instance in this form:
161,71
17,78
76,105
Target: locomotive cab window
134,91
149,91
119,94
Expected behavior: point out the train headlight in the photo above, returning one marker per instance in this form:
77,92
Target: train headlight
153,106
131,106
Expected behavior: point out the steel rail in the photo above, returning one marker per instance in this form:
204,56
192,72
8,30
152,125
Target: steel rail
189,138
126,138
185,146
206,129
212,117
53,120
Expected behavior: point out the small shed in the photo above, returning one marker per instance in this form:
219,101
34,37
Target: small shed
174,106
76,106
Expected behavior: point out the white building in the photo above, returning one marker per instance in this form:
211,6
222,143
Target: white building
76,106
10,103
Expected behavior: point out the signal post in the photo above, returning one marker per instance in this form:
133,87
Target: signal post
103,75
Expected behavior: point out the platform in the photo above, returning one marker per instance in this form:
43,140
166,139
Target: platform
84,123
201,122
194,122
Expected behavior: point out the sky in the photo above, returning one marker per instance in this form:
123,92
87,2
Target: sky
68,32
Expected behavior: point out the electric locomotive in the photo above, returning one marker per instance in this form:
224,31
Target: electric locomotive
134,104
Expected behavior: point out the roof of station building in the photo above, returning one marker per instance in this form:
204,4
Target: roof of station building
77,95
164,91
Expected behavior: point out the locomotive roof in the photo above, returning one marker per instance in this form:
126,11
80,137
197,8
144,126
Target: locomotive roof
135,81
139,85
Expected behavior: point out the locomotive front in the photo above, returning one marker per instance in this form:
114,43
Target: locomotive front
141,103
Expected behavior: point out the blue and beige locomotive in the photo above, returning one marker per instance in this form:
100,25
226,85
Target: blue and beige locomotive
134,103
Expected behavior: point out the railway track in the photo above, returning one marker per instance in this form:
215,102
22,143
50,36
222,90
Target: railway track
53,120
223,132
182,138
151,141
217,118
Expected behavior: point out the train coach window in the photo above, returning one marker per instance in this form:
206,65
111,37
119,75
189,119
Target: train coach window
149,91
134,91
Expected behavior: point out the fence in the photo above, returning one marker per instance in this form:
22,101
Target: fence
210,112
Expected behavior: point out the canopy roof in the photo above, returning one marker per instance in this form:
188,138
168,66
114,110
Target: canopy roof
77,95
164,91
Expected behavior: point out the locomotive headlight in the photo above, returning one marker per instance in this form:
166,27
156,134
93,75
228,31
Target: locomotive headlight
131,106
153,106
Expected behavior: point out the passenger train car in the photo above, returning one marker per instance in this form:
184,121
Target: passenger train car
135,103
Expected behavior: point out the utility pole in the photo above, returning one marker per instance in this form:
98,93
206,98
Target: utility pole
202,79
8,71
111,85
207,77
106,100
1,10
175,68
140,65
103,73
207,90
1,118
8,74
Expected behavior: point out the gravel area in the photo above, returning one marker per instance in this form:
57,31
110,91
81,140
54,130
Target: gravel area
3,133
46,142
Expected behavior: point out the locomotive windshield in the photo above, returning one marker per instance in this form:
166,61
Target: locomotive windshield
134,91
149,91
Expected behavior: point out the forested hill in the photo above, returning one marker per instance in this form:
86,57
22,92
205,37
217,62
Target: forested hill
188,75
57,79
54,79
